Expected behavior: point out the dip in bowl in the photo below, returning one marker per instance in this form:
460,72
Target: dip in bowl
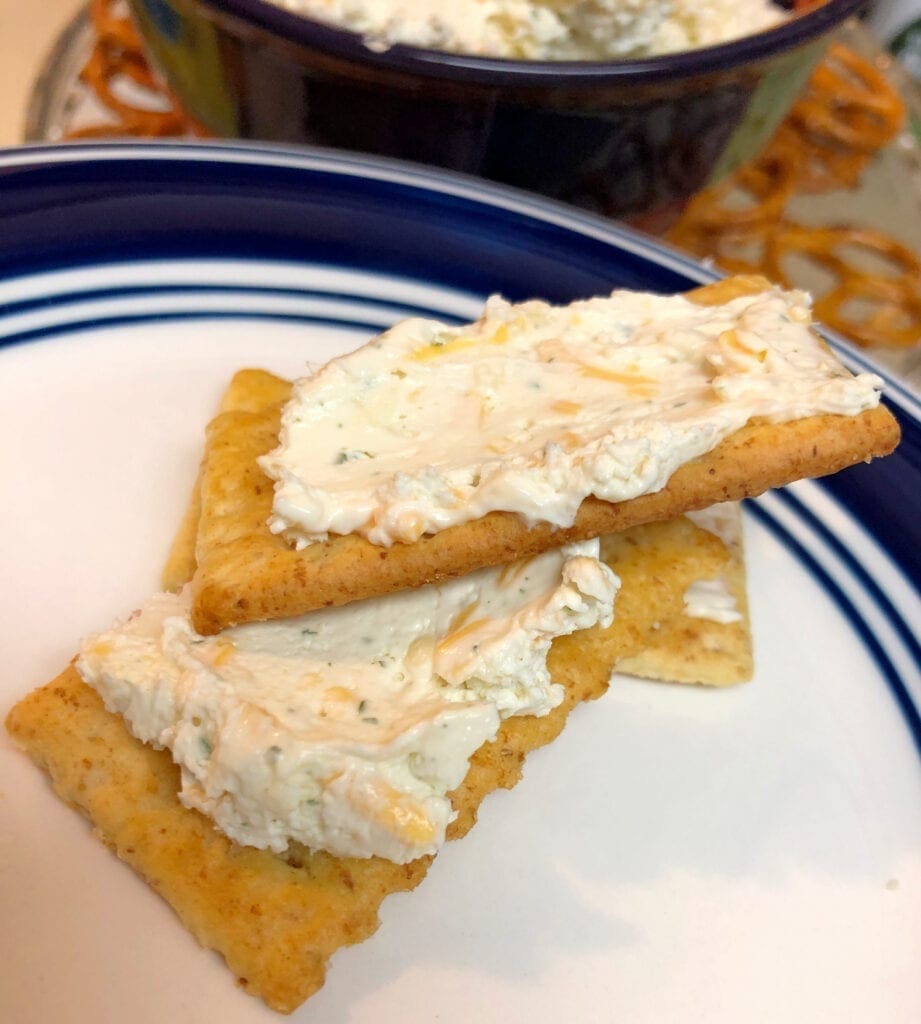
632,137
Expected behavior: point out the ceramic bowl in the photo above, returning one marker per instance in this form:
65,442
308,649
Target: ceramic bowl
629,138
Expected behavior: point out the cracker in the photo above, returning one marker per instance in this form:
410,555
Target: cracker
278,919
245,573
683,649
248,391
275,922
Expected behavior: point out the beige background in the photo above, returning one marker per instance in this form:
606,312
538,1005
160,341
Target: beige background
27,31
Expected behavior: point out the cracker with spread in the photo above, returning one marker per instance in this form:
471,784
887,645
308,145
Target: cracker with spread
432,452
277,916
709,642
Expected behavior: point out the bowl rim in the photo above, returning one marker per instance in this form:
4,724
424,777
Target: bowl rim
499,72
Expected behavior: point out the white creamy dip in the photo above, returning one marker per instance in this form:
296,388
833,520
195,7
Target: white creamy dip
712,600
723,520
534,407
545,29
346,728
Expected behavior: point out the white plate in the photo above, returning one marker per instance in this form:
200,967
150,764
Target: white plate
677,855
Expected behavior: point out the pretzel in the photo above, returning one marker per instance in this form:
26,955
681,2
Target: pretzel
112,29
848,112
118,53
819,167
884,312
850,103
827,246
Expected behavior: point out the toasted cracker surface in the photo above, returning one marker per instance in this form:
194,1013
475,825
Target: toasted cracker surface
684,649
278,919
245,573
275,920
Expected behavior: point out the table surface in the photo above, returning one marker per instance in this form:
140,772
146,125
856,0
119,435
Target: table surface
27,31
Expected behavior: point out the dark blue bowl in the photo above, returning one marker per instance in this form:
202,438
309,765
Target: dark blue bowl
629,138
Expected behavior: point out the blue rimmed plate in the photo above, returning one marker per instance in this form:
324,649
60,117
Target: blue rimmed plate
677,854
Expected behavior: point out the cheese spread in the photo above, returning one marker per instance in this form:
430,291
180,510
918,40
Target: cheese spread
545,29
723,520
347,728
534,407
712,600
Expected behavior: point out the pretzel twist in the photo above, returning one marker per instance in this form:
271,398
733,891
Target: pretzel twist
848,112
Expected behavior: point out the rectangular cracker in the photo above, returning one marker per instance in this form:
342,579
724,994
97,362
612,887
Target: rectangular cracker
245,573
684,649
278,919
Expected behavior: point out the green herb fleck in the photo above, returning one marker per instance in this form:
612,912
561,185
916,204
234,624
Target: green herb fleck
352,456
308,632
205,745
362,707
370,720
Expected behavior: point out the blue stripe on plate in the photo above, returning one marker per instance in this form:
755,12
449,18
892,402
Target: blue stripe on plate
884,496
102,323
861,573
73,298
868,637
93,206
369,169
369,172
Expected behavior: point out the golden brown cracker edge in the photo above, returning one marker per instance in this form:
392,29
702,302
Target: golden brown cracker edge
250,390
